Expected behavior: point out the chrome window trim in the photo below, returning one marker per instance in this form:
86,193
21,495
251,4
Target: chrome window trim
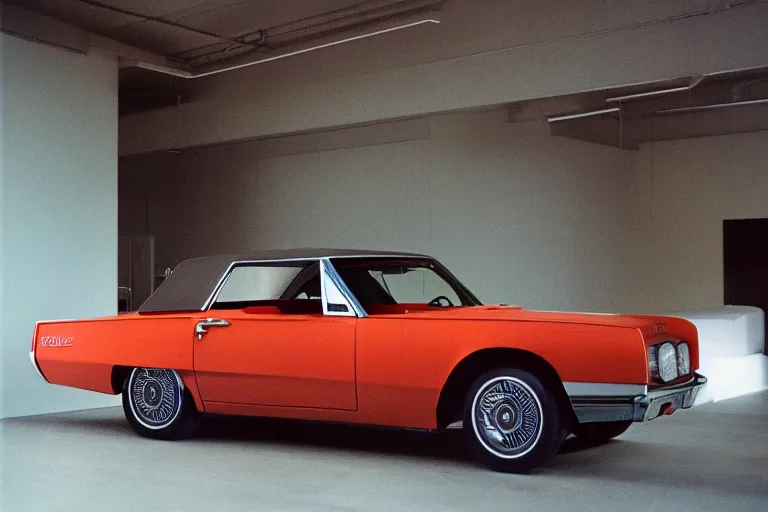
222,281
228,272
217,289
326,268
576,389
329,277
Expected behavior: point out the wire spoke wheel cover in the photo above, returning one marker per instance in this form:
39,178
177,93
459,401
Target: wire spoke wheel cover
507,417
155,396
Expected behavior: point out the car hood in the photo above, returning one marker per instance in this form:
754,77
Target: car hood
649,325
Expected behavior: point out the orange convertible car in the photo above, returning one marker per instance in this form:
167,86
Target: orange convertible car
372,337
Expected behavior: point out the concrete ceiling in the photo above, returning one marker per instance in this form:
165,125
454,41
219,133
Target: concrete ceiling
206,34
203,32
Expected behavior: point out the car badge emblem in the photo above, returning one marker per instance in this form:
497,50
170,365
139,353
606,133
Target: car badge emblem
56,341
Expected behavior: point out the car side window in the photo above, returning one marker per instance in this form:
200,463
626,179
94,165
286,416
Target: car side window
257,283
258,288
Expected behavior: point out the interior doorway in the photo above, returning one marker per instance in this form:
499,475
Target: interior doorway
745,264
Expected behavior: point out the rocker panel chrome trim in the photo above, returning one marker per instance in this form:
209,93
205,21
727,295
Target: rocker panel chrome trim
578,389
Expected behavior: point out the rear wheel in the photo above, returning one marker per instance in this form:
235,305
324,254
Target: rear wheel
512,422
157,405
596,433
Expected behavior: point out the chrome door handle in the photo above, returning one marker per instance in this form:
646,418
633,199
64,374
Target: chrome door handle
202,327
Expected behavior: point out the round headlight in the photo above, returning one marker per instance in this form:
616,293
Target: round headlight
667,362
683,359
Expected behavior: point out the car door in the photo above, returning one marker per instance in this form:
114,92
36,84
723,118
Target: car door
277,352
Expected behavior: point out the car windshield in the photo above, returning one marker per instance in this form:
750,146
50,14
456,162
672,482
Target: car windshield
380,284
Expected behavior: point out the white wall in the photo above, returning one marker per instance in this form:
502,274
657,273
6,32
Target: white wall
58,229
520,216
682,192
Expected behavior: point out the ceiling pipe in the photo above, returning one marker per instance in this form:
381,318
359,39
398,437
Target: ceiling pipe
640,95
660,92
199,74
555,119
349,12
316,27
298,39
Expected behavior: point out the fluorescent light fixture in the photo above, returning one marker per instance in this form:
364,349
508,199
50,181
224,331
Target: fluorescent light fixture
713,106
191,74
582,114
660,92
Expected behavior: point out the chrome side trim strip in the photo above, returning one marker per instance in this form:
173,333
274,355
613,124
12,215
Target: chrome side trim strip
577,389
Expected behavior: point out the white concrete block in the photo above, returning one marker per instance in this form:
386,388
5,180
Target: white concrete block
731,340
728,331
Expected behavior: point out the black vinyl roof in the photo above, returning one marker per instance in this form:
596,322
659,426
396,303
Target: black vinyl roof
193,282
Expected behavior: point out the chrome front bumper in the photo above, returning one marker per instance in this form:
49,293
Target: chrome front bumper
660,402
645,407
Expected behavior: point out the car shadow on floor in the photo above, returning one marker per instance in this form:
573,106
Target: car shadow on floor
447,444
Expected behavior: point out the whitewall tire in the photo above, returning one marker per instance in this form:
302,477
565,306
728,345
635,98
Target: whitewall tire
512,423
157,405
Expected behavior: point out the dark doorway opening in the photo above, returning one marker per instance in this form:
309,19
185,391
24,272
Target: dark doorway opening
745,264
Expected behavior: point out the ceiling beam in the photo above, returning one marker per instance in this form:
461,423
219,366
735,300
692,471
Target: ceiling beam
36,27
743,117
42,29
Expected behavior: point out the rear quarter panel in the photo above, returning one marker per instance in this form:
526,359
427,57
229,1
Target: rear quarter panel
82,353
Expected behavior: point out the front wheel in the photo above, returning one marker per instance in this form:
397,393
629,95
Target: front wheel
597,433
157,405
512,422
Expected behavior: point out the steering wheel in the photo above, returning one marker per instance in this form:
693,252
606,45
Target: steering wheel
436,302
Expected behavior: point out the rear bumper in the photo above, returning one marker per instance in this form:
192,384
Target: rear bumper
35,365
638,407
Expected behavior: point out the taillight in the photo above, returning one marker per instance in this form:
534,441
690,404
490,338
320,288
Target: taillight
34,338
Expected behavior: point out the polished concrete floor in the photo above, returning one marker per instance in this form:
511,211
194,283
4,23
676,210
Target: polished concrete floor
711,458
